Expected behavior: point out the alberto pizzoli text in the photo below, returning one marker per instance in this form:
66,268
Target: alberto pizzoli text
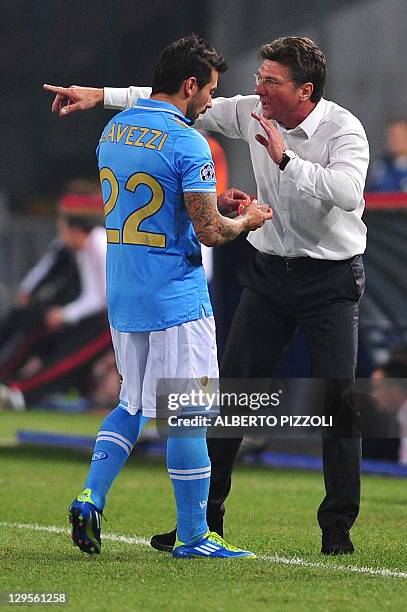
251,420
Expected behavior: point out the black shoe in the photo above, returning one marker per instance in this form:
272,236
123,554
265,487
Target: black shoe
164,541
336,540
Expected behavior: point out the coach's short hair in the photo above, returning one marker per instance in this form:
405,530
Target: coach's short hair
304,59
190,56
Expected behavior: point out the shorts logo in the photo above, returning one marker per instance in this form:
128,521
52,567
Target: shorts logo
203,503
208,173
99,455
203,382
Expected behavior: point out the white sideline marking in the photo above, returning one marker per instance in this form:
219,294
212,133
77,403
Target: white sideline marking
112,537
387,573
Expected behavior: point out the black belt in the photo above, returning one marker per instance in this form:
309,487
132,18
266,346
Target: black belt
296,263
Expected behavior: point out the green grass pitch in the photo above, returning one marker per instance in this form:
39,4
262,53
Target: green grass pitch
269,511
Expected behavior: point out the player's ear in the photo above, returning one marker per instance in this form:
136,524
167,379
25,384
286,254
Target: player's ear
190,86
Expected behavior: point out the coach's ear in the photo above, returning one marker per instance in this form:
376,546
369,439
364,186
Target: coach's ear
306,91
190,87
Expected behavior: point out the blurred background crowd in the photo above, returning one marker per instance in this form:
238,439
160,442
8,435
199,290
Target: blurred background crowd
55,349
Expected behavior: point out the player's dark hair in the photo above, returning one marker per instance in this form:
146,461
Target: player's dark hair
304,59
190,56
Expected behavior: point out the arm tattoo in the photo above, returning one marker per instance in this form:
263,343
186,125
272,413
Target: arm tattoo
210,227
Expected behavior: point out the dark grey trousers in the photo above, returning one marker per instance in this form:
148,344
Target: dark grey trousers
320,296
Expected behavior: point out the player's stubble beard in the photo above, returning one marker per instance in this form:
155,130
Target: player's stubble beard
193,111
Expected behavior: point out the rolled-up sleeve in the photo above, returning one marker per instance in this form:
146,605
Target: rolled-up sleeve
124,97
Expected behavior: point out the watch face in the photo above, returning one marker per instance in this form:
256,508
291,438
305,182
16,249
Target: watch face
289,153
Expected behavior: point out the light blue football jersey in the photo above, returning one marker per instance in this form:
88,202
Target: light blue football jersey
148,157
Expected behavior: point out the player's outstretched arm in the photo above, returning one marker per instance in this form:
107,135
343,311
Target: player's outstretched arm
74,98
211,228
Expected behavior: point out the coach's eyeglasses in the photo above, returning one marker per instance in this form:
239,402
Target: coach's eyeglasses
268,81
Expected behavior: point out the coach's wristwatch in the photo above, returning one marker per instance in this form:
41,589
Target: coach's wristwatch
287,156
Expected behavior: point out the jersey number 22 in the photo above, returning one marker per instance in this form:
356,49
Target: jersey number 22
130,232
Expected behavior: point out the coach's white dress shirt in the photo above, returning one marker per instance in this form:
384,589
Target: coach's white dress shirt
318,199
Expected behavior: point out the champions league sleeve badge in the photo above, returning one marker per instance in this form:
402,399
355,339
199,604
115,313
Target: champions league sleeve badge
207,173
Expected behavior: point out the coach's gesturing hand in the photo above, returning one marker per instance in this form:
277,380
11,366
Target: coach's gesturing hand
273,141
74,98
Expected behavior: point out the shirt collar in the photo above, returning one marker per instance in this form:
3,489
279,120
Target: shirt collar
312,121
159,105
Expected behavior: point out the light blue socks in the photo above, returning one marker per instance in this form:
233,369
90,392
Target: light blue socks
189,468
114,443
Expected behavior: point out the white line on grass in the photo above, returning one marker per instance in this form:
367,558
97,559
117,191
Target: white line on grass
384,572
112,537
297,561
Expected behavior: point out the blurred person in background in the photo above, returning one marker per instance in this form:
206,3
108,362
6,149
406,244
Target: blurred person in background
52,281
389,389
58,327
380,429
399,353
389,171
